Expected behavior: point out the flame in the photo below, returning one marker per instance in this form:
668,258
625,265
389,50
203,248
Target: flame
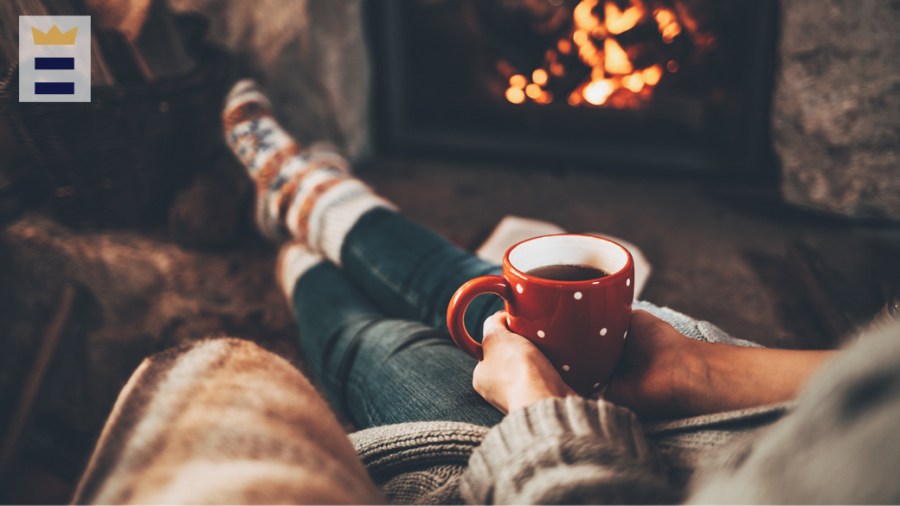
633,82
515,95
533,91
518,81
667,24
575,99
614,81
617,61
584,17
618,21
598,91
663,17
670,32
580,37
652,75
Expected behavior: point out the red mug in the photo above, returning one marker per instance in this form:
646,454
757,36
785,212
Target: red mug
580,326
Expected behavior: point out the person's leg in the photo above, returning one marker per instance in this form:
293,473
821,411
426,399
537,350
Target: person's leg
408,270
308,195
222,421
378,370
413,272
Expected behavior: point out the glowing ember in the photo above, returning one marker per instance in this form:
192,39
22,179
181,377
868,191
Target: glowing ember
634,82
518,81
515,95
539,77
598,91
606,36
668,26
652,75
617,61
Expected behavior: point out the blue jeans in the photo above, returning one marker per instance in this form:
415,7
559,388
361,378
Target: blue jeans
374,332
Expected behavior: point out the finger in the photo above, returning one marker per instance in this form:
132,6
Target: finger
495,325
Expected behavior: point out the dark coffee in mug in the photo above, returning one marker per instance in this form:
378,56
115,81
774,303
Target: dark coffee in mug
568,272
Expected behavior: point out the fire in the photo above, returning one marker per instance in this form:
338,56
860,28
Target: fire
618,21
652,75
539,77
616,61
598,91
668,26
633,82
584,17
601,39
517,81
515,95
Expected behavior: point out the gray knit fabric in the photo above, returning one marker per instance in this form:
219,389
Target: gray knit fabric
841,444
419,462
566,451
422,462
692,444
695,329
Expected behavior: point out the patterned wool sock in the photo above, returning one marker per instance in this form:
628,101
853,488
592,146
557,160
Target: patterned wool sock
294,260
306,194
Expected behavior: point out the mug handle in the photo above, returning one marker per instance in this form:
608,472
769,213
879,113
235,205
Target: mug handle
456,310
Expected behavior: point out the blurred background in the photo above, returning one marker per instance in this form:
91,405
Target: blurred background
748,147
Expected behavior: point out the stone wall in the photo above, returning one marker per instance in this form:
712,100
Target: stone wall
311,55
836,110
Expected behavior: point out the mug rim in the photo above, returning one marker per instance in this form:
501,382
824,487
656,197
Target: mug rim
605,280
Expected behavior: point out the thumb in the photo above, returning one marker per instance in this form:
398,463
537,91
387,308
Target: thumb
495,325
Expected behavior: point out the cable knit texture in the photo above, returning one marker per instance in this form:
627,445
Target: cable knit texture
418,462
566,451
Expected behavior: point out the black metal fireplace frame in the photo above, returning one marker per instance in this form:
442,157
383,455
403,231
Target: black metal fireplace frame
397,133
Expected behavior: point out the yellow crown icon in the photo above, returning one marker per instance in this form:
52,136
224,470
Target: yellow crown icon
54,37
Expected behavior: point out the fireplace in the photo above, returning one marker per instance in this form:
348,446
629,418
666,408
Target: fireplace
664,86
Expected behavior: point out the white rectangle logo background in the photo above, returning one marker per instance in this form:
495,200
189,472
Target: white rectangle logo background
80,76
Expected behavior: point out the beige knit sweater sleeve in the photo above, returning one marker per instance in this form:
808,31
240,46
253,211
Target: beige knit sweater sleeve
566,451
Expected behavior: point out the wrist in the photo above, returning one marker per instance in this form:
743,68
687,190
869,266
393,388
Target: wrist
695,380
530,393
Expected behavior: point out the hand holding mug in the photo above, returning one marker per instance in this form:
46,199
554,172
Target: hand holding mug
514,373
569,294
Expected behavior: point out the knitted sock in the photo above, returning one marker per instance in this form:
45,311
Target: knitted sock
294,260
306,194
